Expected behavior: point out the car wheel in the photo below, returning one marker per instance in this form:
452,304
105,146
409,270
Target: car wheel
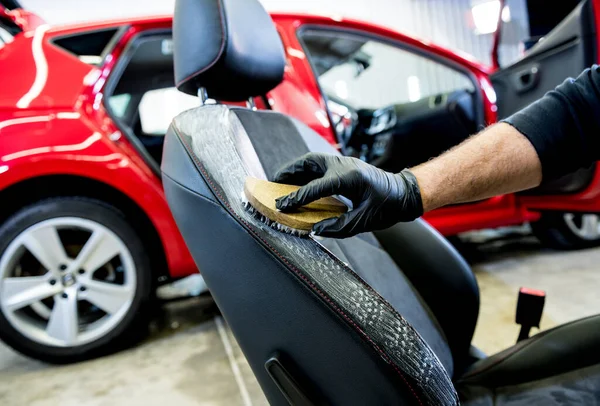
75,280
568,230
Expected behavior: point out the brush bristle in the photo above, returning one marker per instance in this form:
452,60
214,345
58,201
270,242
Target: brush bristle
271,223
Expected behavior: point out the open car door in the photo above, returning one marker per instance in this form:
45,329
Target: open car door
565,51
569,207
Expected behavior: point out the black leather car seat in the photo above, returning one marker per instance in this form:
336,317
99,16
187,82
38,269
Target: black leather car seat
377,319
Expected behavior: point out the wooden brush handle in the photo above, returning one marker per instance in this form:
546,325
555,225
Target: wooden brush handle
261,194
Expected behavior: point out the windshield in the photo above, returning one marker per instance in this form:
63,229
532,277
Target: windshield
342,81
363,73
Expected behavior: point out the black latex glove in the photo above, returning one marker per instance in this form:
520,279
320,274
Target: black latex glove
380,199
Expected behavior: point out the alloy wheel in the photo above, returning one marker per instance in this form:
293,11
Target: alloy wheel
585,226
66,281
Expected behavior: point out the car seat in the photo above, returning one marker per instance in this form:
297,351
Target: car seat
382,318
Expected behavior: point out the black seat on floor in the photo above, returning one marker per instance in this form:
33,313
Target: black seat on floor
377,319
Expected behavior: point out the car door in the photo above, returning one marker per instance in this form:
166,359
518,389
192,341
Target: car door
565,51
391,100
391,106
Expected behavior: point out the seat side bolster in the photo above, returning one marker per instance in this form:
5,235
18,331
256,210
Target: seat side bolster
443,279
178,164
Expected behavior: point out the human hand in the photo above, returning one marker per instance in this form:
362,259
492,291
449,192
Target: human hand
380,199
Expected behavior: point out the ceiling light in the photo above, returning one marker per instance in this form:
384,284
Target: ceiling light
414,88
506,14
485,16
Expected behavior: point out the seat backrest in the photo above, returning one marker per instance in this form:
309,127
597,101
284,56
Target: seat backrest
339,319
292,298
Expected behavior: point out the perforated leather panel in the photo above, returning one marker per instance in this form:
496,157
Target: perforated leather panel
224,155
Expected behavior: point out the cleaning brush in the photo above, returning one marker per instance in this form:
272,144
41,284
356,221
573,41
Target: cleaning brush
259,197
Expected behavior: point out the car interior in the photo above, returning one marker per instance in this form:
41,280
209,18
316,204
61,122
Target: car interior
427,126
141,97
380,318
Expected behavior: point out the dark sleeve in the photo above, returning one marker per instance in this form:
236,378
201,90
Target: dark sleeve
564,125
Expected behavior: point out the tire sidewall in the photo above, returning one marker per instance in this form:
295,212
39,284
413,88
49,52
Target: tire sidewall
552,230
114,220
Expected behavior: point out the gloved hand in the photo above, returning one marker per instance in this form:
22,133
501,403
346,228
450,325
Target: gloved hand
380,199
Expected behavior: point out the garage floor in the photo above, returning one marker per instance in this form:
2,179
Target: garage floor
192,358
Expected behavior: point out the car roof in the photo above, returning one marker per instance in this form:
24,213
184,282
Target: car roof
94,25
91,25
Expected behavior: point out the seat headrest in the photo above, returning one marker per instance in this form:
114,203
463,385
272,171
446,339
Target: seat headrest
229,47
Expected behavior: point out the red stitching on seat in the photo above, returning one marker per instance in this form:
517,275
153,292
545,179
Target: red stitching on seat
222,47
291,266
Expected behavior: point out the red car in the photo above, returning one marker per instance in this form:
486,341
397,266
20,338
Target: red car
85,231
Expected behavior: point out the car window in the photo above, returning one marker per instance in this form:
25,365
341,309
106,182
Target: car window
364,73
523,27
514,37
159,107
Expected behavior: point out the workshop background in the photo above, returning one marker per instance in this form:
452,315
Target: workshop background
190,356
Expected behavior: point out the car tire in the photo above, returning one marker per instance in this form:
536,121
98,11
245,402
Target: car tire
90,299
568,231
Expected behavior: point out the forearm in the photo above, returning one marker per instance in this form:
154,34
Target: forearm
496,161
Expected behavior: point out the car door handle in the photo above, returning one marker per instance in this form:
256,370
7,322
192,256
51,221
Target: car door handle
526,79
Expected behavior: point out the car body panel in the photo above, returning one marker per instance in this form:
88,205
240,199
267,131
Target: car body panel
81,150
42,72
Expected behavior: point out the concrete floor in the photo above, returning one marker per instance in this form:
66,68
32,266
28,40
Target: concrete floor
191,357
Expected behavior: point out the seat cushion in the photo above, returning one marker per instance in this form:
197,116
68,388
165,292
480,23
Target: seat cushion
224,155
443,279
578,387
560,366
565,348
